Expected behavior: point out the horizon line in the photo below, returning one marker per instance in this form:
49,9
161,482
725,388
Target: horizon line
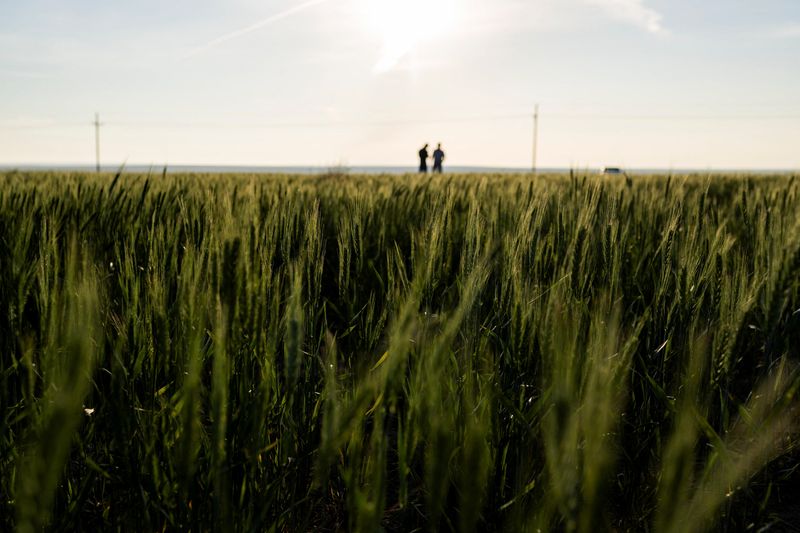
389,168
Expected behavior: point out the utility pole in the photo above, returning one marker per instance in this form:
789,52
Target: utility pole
535,136
97,140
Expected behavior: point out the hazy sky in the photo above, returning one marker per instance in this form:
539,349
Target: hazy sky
637,83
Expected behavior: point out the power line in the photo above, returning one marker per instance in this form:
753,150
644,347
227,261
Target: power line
448,120
43,126
599,116
403,122
278,125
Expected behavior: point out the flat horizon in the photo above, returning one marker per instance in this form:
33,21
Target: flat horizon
388,168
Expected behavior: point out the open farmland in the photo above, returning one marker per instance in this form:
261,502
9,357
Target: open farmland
350,353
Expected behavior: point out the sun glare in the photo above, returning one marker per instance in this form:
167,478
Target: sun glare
407,24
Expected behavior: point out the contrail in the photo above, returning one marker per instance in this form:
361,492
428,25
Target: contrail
253,27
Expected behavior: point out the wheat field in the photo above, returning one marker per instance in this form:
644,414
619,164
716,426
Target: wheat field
399,353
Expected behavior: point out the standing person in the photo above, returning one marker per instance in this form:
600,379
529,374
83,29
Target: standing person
438,157
423,159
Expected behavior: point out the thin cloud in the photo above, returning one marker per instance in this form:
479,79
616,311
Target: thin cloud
633,12
12,73
254,27
791,31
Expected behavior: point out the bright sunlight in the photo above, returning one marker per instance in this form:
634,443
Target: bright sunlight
403,26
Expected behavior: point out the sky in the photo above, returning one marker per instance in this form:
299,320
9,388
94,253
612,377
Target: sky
633,83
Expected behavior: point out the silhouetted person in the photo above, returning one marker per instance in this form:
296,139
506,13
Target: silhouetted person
438,157
423,159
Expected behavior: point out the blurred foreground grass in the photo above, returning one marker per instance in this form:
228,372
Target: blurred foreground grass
357,353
